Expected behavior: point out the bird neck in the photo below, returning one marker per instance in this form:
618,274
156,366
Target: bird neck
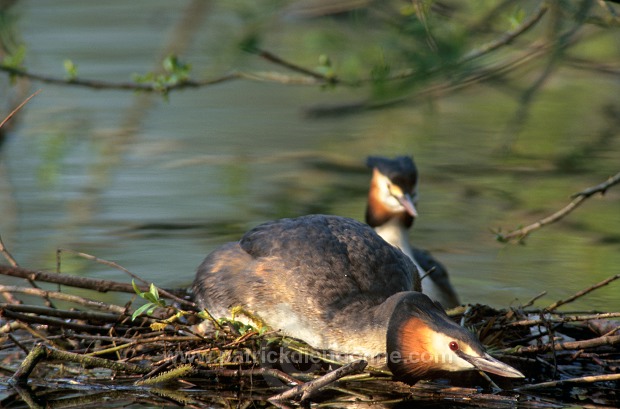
394,232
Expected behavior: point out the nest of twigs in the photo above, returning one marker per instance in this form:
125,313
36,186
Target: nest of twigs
61,350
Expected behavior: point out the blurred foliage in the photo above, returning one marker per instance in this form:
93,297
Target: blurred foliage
10,43
70,69
401,48
53,152
174,72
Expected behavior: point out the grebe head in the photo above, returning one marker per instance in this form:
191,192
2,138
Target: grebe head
424,343
393,190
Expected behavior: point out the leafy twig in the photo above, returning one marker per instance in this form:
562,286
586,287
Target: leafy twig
127,86
156,83
152,298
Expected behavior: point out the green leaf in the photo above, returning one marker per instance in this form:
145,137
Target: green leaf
135,287
516,18
142,309
250,42
16,58
153,294
178,71
152,298
70,69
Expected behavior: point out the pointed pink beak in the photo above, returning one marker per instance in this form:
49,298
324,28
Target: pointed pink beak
407,203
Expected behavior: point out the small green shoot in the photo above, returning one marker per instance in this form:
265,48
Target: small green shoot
240,327
70,69
175,72
152,298
516,18
15,58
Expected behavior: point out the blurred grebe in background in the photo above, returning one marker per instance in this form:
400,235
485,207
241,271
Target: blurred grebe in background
391,211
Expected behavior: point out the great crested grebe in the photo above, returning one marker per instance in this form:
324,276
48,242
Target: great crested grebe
391,212
334,283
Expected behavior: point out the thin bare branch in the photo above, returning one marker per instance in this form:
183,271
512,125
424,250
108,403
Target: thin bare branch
74,281
65,314
582,292
509,36
600,188
561,319
63,297
7,255
7,295
579,198
593,66
308,389
533,299
13,112
571,345
581,379
112,264
97,260
271,57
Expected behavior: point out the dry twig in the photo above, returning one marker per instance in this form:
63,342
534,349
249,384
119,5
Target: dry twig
41,352
63,297
562,319
581,379
13,112
112,264
308,389
571,345
581,293
578,199
79,282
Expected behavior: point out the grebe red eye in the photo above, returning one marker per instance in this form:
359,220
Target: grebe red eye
453,346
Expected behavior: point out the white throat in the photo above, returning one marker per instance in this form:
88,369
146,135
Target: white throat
398,236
